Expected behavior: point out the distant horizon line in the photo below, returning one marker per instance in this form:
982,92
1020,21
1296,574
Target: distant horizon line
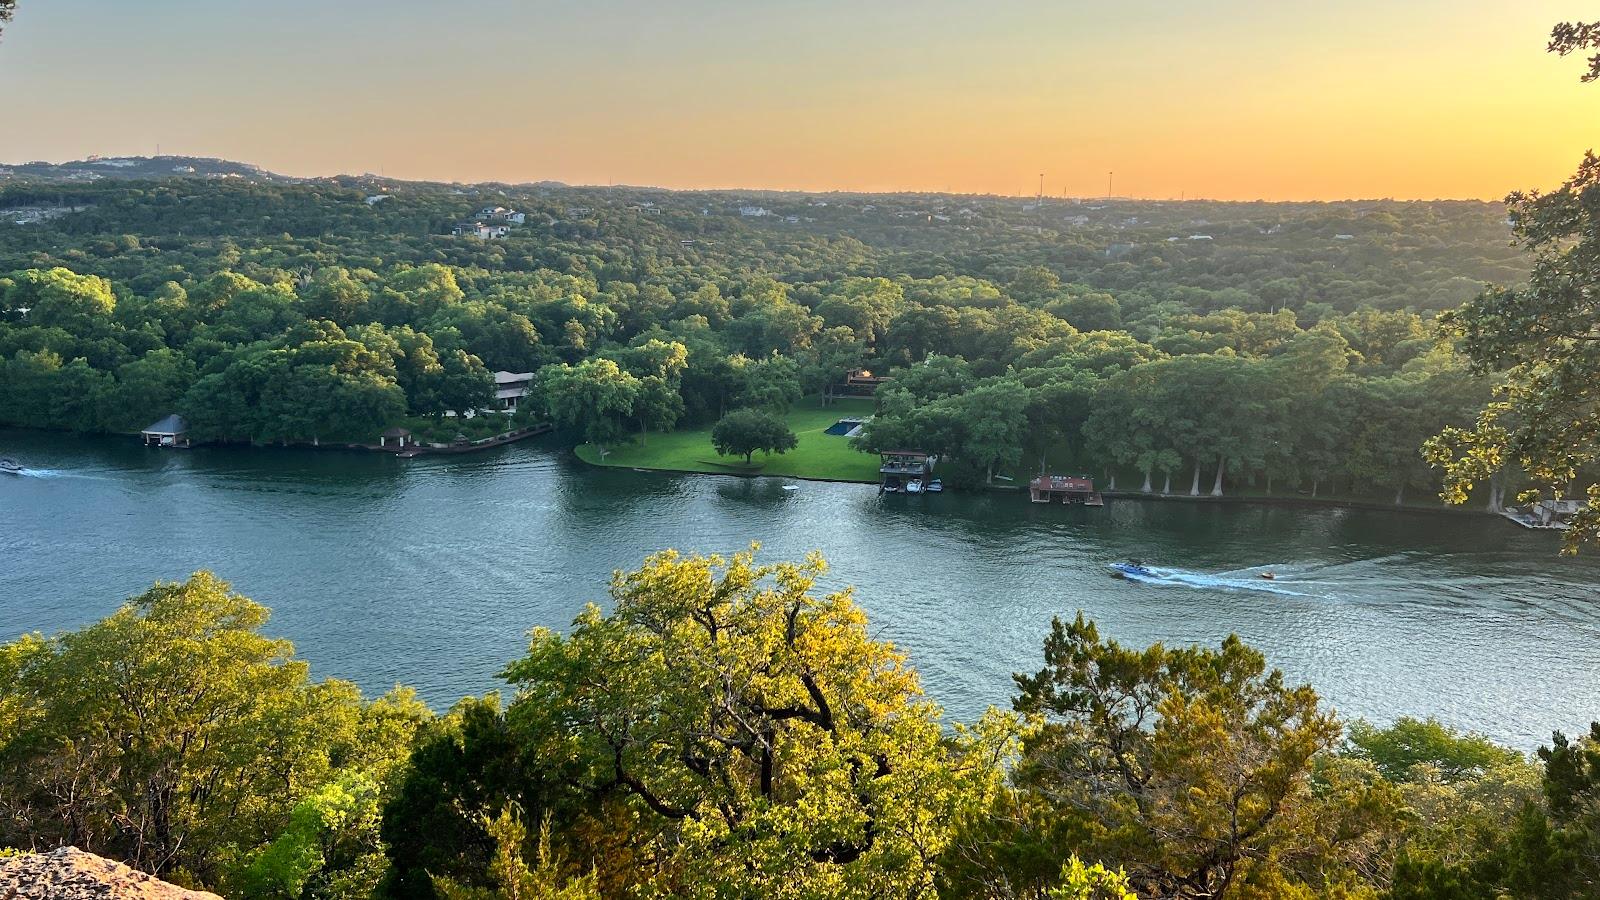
750,190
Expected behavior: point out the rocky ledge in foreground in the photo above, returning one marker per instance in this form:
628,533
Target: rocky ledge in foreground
68,873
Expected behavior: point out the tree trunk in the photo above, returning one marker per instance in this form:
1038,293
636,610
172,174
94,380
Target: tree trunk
1269,482
1111,482
1146,486
1496,494
1314,483
1166,486
1194,488
1216,486
1400,495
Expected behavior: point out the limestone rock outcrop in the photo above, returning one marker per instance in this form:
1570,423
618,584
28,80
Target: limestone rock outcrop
68,873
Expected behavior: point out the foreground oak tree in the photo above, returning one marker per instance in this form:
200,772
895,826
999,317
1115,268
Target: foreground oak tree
175,736
1198,770
768,745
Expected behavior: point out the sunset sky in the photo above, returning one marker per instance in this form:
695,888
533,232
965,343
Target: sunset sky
1230,99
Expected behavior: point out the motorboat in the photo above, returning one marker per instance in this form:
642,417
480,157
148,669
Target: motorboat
10,466
1270,576
934,486
914,486
1136,569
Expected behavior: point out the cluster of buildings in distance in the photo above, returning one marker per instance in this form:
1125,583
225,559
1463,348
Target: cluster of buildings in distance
489,223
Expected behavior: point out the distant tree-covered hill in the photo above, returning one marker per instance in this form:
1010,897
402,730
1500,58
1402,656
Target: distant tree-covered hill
1274,345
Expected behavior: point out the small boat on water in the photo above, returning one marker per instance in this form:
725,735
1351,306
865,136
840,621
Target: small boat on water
10,466
914,486
1133,568
934,486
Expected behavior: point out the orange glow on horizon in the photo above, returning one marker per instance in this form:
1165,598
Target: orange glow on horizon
1242,100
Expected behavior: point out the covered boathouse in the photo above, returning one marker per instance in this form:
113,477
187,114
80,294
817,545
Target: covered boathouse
171,431
397,438
899,468
1064,489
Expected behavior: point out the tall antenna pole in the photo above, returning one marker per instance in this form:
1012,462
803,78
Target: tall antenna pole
1108,184
1039,201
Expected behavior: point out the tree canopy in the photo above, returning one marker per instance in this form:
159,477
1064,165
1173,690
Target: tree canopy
767,744
279,312
175,735
727,729
744,431
1539,339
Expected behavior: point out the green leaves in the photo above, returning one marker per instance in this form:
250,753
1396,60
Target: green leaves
1191,767
744,431
341,817
769,745
513,878
59,297
1096,882
317,386
174,735
1408,743
1570,37
1544,337
981,430
595,397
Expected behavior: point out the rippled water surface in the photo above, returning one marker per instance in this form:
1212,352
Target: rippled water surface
430,571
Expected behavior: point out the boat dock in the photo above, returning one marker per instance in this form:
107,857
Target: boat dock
1545,515
1069,489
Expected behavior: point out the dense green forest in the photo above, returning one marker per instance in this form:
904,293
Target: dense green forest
1271,347
720,729
726,731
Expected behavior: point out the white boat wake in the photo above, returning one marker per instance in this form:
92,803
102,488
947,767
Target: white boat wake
1228,581
49,473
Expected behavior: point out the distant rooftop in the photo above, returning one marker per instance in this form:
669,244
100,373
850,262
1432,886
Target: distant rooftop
172,424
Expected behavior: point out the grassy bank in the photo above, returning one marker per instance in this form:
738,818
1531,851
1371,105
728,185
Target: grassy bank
829,457
818,455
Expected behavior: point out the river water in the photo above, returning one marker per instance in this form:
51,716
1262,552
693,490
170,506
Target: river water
430,571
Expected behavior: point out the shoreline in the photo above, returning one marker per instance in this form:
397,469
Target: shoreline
1285,500
505,438
404,452
1265,500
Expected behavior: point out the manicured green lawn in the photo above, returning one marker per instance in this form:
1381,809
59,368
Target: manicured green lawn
817,456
